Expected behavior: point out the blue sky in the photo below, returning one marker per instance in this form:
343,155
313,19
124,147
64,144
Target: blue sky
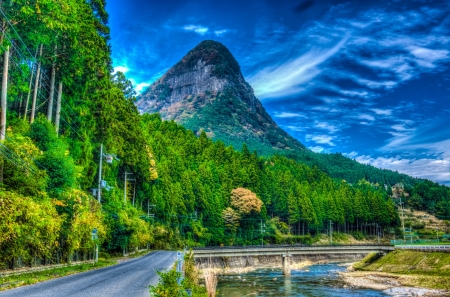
370,79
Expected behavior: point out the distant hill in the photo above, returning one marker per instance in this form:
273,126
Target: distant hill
207,91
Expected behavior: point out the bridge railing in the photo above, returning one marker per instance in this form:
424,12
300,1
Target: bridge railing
272,246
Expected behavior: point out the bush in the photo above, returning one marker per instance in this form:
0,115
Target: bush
358,235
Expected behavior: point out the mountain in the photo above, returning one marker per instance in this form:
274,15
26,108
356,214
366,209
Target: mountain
207,91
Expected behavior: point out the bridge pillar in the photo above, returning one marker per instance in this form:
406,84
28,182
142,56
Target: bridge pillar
286,264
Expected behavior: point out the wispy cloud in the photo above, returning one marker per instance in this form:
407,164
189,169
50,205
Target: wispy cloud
288,78
379,111
436,169
201,30
221,32
322,139
394,58
289,115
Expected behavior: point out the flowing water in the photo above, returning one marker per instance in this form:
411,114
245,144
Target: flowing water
316,280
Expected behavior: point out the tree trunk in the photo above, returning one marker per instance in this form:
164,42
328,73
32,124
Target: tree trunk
52,88
29,88
58,108
36,88
4,93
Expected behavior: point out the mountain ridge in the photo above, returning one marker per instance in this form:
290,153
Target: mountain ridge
206,91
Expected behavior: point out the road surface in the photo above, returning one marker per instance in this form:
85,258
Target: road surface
130,278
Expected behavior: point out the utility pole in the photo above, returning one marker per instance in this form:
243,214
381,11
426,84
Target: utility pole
331,233
410,232
4,93
378,234
58,107
99,191
149,206
437,234
125,187
403,221
262,232
134,191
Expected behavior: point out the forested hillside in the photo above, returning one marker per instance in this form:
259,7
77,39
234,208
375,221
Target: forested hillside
198,175
61,103
206,91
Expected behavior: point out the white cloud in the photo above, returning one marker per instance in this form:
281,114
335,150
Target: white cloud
318,149
289,115
221,32
379,111
140,87
326,126
366,117
377,84
201,30
428,54
295,128
436,169
123,69
351,155
322,139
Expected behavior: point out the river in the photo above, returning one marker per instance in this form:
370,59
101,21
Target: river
317,280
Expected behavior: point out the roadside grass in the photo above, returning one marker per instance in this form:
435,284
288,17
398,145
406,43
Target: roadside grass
414,268
14,281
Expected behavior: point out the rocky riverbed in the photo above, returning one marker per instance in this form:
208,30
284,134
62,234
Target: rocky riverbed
391,284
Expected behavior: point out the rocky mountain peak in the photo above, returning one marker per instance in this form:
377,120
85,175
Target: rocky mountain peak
206,91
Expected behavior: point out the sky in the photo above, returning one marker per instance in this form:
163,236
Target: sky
368,79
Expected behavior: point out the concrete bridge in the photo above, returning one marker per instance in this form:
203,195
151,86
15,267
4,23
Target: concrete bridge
286,251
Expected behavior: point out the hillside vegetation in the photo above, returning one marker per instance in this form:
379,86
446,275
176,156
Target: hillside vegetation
62,103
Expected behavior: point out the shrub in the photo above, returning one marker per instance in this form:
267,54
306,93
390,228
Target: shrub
358,235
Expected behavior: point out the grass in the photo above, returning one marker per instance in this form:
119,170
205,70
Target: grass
13,281
414,268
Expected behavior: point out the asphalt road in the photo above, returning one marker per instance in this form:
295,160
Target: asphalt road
130,278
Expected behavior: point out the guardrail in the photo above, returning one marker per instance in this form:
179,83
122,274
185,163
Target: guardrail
426,248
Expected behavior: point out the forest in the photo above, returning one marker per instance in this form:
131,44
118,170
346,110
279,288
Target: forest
61,102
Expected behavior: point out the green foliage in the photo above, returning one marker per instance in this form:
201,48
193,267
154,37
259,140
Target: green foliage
358,235
28,228
183,179
169,287
56,160
199,175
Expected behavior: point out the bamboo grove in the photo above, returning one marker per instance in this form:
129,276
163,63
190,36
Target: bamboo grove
60,101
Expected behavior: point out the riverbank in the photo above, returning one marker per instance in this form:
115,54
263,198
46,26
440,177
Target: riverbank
420,273
392,284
